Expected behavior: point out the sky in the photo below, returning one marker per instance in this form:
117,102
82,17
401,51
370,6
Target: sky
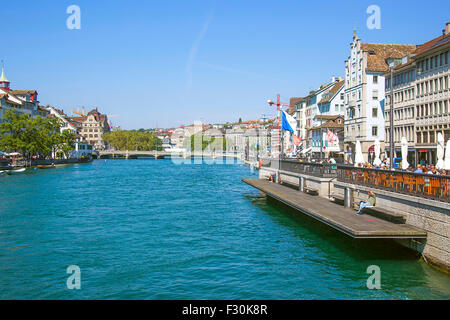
169,63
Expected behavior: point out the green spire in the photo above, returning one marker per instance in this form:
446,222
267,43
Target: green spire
2,77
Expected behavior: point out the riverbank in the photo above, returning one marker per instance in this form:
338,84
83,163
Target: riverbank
428,215
10,165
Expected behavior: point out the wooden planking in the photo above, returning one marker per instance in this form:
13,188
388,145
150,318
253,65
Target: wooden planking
343,219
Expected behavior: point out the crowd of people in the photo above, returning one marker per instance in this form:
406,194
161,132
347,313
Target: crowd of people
421,168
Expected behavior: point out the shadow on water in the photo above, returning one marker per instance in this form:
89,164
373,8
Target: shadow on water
305,226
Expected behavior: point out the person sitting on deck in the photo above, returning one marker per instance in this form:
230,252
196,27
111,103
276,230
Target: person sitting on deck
371,202
272,177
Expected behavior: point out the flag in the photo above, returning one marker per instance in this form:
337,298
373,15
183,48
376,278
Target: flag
331,137
288,123
296,140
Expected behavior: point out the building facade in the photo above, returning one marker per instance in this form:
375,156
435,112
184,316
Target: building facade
365,93
92,127
421,99
23,101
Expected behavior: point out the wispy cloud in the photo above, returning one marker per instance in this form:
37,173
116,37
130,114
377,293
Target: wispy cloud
194,49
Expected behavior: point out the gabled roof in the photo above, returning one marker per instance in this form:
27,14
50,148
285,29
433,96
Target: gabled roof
328,117
333,91
330,124
378,54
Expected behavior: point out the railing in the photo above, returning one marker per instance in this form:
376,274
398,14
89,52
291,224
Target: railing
436,187
320,170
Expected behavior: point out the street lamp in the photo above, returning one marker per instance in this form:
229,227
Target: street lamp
391,120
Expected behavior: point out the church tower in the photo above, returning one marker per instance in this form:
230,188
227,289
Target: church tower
4,83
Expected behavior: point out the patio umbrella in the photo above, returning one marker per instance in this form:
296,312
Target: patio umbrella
1,153
377,160
447,156
440,152
359,158
405,164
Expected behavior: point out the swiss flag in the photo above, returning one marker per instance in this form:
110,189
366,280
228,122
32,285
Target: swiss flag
296,140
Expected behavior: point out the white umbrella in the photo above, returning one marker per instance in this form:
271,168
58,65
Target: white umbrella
359,158
440,152
447,156
377,160
405,164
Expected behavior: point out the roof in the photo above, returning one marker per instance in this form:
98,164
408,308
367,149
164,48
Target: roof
23,92
424,48
379,53
292,103
333,91
432,44
330,125
328,117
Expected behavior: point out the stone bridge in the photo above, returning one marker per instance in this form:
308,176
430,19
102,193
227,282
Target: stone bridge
163,154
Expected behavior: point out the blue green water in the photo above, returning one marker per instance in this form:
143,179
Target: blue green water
145,229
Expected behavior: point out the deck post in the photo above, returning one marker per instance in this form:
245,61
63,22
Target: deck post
277,176
301,184
348,197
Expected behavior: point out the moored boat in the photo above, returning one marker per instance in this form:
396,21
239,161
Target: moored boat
46,166
13,171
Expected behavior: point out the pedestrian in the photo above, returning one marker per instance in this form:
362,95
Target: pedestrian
371,202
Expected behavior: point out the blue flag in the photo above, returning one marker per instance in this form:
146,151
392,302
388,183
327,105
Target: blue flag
288,123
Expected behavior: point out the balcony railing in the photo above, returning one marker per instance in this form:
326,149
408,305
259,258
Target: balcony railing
308,168
435,187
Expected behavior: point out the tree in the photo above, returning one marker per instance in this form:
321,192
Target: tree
33,136
133,140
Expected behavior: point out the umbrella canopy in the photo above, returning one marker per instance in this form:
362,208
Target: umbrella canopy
405,164
359,158
13,154
447,156
1,153
440,152
377,160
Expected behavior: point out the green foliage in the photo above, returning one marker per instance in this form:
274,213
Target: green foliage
212,143
33,136
133,140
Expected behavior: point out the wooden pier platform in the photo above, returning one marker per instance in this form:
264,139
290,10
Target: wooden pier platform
336,216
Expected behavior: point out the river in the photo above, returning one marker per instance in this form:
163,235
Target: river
146,229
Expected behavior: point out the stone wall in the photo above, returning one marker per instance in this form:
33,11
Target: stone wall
323,185
429,215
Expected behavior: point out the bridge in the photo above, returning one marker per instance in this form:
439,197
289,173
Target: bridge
163,154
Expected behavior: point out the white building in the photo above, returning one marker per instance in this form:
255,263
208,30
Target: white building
364,92
23,101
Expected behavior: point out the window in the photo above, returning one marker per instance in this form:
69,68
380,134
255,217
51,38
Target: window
374,112
374,131
375,94
375,79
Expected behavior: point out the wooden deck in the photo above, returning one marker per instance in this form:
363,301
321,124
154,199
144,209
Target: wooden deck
343,219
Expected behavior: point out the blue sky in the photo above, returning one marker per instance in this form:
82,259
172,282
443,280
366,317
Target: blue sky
174,62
